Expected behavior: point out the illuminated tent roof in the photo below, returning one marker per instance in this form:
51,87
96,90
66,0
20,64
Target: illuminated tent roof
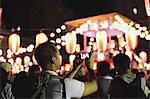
100,19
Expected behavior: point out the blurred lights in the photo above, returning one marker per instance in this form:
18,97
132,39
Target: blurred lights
58,46
58,30
63,27
135,11
41,38
58,40
52,34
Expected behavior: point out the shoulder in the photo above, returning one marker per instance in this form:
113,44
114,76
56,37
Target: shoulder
73,82
76,87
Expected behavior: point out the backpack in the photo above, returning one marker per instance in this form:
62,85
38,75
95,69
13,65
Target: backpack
47,86
40,87
132,90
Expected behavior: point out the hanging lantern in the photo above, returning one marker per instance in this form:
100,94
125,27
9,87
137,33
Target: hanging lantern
71,42
143,56
41,38
131,38
101,40
14,42
147,6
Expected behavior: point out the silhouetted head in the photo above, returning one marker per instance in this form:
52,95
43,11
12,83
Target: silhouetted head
47,56
121,63
103,68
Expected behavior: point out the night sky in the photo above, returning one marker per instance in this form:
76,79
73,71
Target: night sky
37,14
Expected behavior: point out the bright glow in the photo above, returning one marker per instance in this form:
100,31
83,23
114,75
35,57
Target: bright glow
58,40
71,42
121,41
94,46
137,58
62,68
18,61
1,52
78,48
52,34
144,28
58,30
8,55
131,23
41,38
14,42
142,35
30,64
2,59
52,41
140,66
95,66
18,28
129,53
58,46
30,48
11,60
63,38
63,43
147,6
117,17
26,60
143,56
63,27
90,43
67,67
147,37
135,11
24,50
34,60
147,66
137,25
71,58
92,39
89,49
101,40
100,56
112,44
131,38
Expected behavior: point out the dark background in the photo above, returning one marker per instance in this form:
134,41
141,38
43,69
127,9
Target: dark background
33,15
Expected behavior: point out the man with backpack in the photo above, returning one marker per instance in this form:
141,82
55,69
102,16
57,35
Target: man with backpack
126,84
55,87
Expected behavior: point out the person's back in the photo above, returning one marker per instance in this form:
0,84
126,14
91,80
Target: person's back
47,56
5,85
104,79
125,85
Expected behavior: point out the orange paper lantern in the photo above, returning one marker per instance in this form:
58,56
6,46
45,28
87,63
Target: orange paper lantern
14,42
131,38
101,40
41,38
71,42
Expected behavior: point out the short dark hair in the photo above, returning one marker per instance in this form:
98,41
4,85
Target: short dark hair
103,68
121,63
44,53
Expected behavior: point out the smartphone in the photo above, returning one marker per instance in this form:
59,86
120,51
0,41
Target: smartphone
84,55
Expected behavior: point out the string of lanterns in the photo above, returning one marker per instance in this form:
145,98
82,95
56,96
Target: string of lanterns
69,41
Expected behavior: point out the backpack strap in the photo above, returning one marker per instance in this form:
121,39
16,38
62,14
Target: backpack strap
41,85
64,89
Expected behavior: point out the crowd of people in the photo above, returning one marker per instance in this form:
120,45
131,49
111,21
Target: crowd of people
81,82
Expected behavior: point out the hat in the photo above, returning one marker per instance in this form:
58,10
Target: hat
6,66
